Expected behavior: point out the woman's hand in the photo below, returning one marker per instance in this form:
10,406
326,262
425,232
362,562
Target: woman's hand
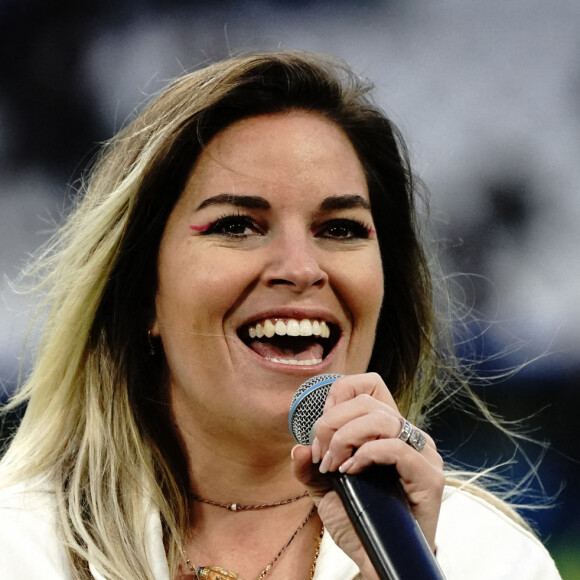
361,416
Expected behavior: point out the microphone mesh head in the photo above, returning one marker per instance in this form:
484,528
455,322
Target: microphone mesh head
307,405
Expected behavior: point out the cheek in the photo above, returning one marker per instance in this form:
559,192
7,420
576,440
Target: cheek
367,284
198,290
361,287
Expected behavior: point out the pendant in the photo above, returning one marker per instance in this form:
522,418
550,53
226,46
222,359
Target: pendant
215,573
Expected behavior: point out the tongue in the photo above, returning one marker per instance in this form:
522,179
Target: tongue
310,351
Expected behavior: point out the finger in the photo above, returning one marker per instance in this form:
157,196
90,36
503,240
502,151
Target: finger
421,476
347,426
307,473
339,441
335,417
343,390
356,436
350,386
414,467
421,473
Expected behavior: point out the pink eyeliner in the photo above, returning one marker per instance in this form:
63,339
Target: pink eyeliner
200,228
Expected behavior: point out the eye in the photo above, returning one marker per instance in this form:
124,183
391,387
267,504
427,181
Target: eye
343,229
233,226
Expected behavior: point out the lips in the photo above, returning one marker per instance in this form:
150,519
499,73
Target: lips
290,341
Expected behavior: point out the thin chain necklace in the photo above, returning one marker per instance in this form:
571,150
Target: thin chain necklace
236,507
218,573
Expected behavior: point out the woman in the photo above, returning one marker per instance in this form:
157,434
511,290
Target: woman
255,226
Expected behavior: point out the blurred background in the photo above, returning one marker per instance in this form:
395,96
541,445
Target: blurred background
487,95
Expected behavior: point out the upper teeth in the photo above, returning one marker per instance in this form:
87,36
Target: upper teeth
289,327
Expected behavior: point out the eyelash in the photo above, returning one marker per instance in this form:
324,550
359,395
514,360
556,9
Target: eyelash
231,220
351,229
357,229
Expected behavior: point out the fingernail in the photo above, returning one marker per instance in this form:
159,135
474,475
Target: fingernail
292,451
326,462
346,465
315,451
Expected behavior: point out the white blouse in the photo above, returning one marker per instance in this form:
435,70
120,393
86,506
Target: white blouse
475,541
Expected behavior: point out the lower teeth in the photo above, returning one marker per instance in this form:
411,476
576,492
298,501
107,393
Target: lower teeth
314,361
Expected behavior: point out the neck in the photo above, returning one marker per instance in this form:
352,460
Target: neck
236,463
234,470
285,538
244,475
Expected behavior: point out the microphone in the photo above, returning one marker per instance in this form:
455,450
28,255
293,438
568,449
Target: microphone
374,499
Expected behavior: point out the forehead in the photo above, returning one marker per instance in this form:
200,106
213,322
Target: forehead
288,151
301,133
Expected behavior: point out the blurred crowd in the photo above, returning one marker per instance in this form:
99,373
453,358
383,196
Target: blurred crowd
486,94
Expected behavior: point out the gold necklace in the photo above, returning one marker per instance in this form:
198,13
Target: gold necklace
236,507
219,573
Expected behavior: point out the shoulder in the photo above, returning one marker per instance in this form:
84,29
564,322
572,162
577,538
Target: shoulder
24,493
475,539
29,545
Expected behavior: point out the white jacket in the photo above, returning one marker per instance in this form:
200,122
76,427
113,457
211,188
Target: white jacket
475,541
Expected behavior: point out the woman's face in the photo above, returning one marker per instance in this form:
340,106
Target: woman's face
269,270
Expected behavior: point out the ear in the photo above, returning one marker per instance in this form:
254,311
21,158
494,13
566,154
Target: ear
154,328
152,320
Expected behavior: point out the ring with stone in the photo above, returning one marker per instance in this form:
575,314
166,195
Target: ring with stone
417,440
406,429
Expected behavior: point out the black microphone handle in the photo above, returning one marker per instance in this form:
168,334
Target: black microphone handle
379,511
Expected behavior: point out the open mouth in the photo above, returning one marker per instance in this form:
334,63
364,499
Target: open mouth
291,341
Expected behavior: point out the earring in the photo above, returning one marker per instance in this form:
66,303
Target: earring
151,345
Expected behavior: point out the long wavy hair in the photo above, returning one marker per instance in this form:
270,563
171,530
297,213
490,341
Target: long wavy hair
97,424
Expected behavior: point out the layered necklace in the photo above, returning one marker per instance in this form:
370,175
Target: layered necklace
219,573
236,507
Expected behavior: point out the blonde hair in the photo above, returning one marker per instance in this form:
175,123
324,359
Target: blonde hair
97,425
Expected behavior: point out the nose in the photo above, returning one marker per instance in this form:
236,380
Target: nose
295,262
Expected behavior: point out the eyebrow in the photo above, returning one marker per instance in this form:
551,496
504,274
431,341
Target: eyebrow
247,201
344,202
334,202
